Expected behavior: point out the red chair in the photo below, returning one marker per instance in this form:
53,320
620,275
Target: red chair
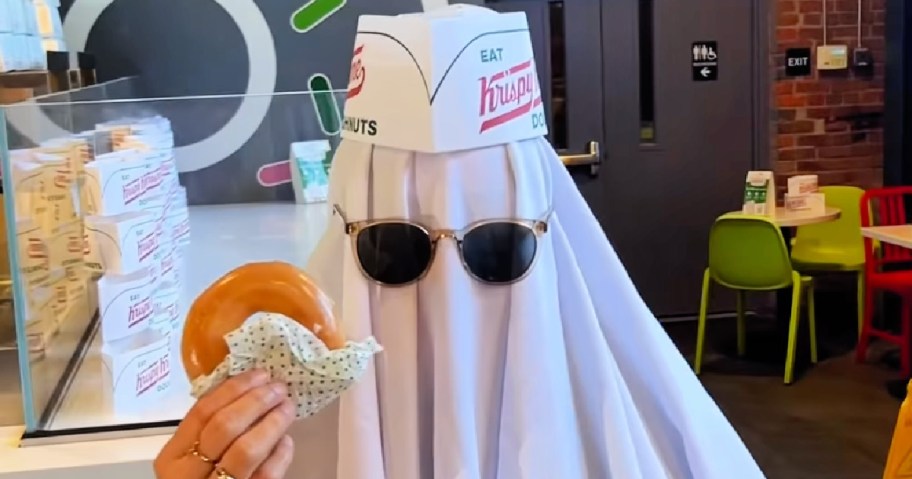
887,207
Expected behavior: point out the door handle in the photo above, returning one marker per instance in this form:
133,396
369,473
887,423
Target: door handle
592,159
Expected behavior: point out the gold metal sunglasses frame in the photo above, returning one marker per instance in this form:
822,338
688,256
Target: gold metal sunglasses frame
353,228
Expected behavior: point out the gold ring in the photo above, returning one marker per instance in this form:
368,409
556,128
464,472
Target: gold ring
194,451
222,474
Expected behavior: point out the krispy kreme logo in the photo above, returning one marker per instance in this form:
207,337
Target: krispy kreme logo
139,312
36,249
148,244
152,375
356,77
75,244
62,178
508,95
134,189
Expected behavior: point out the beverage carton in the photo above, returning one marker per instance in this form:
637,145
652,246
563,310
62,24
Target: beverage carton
759,194
125,304
456,78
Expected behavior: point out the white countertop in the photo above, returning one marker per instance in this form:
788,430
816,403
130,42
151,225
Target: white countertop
122,458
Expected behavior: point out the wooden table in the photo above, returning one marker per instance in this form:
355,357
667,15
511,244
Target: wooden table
900,235
786,218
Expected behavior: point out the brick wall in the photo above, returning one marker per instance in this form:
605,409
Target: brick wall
829,123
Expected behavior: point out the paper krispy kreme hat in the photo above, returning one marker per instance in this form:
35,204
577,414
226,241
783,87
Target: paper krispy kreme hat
457,78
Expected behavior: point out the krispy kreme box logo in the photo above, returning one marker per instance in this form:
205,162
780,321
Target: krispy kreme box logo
153,374
36,249
60,293
508,94
141,309
149,243
167,263
356,76
62,178
133,190
75,243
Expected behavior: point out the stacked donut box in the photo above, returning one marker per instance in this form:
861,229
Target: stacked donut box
100,220
49,237
29,28
135,226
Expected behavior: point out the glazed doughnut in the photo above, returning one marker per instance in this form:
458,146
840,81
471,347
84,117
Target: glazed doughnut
272,287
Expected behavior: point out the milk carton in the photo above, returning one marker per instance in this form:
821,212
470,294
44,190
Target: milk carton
760,193
408,77
309,171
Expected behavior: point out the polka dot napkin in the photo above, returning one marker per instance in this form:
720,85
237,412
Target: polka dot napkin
316,376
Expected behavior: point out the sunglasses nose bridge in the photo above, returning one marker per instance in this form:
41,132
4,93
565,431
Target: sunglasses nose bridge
439,235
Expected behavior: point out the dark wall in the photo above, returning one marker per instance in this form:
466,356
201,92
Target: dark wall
898,112
180,47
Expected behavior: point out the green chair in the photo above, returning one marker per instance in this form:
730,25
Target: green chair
748,253
835,246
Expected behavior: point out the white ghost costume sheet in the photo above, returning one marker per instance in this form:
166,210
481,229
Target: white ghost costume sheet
563,375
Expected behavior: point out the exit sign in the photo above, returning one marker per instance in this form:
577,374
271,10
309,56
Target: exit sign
798,62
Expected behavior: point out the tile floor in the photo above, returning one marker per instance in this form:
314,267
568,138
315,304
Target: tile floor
834,422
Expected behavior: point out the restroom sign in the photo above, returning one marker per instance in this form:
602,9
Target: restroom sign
705,61
798,62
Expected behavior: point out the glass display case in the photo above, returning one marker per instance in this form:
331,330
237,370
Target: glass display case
118,212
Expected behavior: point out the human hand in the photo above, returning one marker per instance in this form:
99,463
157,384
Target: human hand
236,431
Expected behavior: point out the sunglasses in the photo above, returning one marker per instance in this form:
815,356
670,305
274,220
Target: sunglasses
396,252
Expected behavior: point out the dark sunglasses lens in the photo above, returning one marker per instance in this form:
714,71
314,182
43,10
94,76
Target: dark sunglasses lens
394,253
499,252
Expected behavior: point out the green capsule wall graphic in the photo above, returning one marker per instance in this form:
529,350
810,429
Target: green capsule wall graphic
325,104
327,111
314,13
